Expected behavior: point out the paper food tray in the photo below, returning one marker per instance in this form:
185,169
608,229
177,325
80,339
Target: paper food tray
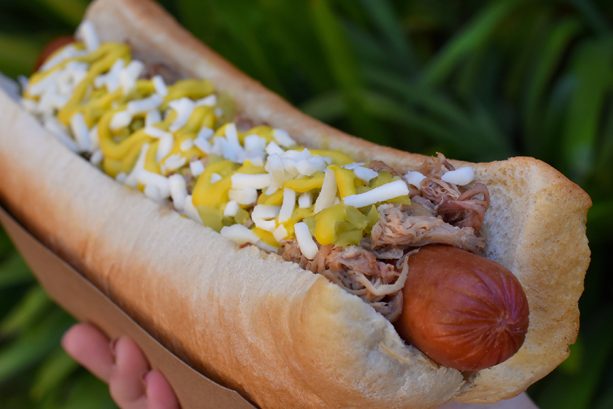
79,297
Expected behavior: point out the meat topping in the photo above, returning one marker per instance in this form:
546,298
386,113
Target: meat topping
358,271
468,210
399,228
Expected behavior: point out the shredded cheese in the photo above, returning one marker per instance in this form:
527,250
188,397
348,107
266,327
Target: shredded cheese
461,177
307,245
379,194
328,192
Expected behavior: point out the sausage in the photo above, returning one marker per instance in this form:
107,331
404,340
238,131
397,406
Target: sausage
50,48
462,310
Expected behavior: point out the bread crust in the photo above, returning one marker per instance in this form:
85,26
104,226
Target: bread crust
284,336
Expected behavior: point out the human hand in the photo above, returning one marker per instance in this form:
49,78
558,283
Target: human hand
519,402
133,385
122,365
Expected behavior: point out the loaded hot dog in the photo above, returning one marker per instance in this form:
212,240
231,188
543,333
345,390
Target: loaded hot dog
362,224
352,222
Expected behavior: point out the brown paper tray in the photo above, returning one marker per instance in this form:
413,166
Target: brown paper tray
79,297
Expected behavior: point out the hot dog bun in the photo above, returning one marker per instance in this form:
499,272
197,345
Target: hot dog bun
284,336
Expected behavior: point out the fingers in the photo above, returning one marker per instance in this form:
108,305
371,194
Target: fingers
126,383
159,393
90,347
122,365
521,401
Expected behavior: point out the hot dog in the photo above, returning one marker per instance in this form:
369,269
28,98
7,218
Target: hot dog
462,311
348,230
247,187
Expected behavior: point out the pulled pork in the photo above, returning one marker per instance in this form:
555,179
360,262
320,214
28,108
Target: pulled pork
169,75
440,212
461,209
468,210
433,188
398,227
243,123
380,166
358,271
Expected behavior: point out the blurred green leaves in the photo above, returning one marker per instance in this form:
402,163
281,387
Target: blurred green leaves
475,34
592,72
34,370
343,66
477,80
580,378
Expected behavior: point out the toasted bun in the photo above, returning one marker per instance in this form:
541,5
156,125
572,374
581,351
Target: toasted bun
283,336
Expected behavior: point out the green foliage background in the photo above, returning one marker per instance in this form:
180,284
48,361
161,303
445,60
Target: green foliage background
478,80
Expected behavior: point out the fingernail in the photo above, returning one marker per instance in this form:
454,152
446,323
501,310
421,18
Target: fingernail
145,380
113,346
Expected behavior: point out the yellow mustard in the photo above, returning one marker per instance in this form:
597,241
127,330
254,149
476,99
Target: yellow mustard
121,149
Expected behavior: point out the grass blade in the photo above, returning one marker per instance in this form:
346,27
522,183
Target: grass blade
238,34
69,11
467,133
14,271
416,94
33,345
473,36
593,16
367,48
384,19
24,314
419,126
6,246
600,219
343,66
601,174
606,401
17,54
327,107
52,373
553,120
580,386
552,53
80,396
592,69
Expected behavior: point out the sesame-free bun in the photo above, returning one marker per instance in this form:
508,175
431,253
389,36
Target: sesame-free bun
281,335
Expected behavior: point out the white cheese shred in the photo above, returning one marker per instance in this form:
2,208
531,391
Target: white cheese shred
178,191
160,85
283,138
263,216
157,132
305,200
80,132
191,211
196,167
120,120
256,181
414,178
215,177
153,117
144,105
165,147
231,209
239,234
244,196
381,193
328,192
461,176
183,107
87,33
288,205
280,233
364,173
307,245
